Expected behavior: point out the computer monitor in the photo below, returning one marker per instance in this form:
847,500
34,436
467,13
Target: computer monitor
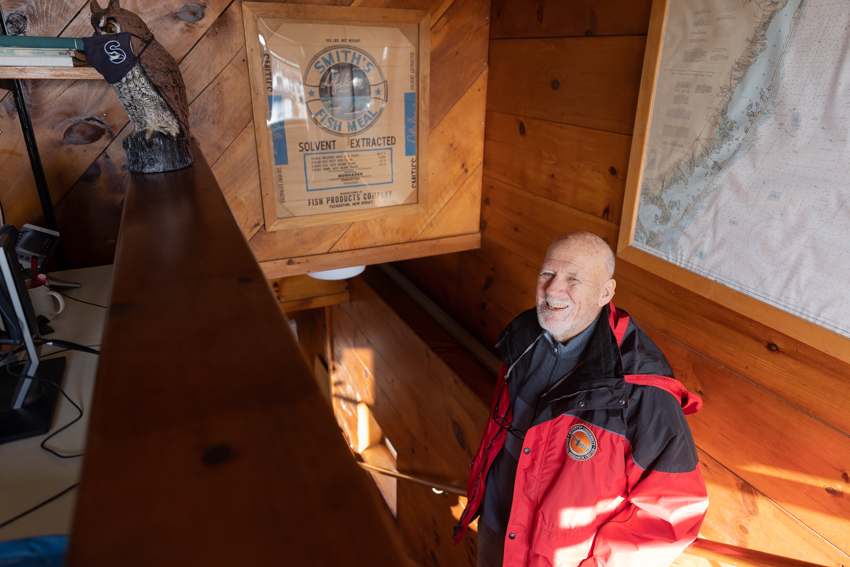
28,390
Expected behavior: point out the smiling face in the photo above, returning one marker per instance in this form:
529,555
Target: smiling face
574,284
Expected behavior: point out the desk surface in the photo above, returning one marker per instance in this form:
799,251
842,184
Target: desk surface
30,475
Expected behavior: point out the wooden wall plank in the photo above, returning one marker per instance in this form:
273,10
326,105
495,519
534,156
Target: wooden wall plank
71,127
505,278
268,246
431,519
74,126
483,318
410,417
303,287
579,167
797,462
237,173
214,51
223,110
459,48
369,256
39,18
454,149
525,223
90,213
376,355
436,7
459,214
461,375
740,515
589,82
794,371
556,18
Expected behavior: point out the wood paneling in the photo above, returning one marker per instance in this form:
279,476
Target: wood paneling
588,82
579,167
413,378
459,45
303,292
369,256
795,372
459,213
740,515
483,318
757,437
556,18
97,195
211,55
236,172
223,110
74,121
525,223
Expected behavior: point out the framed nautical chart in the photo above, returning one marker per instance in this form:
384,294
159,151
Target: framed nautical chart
740,162
340,111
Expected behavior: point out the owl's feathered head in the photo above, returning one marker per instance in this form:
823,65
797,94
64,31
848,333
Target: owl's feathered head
114,19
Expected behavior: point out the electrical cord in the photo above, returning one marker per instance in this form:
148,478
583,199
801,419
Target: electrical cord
37,506
74,298
64,427
66,345
70,346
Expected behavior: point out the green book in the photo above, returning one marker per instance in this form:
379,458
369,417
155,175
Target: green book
35,42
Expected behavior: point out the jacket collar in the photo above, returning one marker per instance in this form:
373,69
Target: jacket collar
600,366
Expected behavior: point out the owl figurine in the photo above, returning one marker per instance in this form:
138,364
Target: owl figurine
152,93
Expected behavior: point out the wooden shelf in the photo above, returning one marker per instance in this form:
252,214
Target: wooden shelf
86,73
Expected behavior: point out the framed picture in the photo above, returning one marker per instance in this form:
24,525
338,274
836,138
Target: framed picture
340,101
720,190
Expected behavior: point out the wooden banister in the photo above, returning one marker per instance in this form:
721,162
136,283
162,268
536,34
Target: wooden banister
209,441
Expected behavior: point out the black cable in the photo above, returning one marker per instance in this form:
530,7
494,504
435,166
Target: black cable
64,427
37,506
67,345
74,298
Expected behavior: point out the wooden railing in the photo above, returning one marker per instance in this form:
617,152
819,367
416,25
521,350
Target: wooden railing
209,441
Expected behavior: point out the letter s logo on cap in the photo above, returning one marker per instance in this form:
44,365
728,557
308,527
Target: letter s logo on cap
114,52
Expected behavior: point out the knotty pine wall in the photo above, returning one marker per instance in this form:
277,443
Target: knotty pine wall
80,125
562,94
428,396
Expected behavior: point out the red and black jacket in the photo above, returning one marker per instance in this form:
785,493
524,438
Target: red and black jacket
608,474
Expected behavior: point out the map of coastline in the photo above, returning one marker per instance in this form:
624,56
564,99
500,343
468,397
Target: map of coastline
747,159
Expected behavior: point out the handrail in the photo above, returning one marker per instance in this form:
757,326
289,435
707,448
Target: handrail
701,548
424,481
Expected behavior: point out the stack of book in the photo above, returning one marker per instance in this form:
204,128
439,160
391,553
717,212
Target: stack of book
27,51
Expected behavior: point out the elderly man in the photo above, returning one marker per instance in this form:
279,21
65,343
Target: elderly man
587,459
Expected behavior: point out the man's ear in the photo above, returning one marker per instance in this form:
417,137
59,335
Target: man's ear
606,292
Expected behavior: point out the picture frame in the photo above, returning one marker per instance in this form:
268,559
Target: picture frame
732,303
340,102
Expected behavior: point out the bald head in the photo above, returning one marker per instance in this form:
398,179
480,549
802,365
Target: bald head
595,245
574,284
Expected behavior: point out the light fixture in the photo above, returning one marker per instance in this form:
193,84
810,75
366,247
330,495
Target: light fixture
338,274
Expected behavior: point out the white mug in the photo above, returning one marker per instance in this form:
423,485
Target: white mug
46,302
